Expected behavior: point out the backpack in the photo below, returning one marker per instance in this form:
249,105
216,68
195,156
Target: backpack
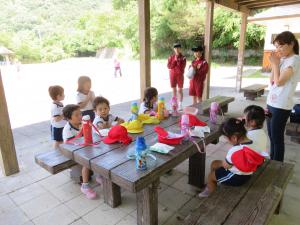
295,114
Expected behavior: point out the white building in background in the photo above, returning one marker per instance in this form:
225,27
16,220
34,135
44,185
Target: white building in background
277,20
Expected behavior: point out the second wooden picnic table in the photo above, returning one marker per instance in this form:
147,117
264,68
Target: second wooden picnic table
117,170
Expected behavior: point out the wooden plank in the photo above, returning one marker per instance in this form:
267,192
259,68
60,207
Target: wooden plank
204,106
133,180
105,162
145,49
208,44
263,211
8,156
248,211
255,87
273,3
216,208
111,193
69,149
53,161
241,53
231,4
147,205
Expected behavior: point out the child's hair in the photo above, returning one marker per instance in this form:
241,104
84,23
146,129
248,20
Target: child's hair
69,109
233,126
149,93
100,100
81,81
256,113
287,37
54,91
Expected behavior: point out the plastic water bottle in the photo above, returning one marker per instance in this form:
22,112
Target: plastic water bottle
185,127
213,112
174,106
140,152
161,108
87,130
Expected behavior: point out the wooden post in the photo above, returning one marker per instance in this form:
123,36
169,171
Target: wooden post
208,43
111,193
240,63
197,169
8,156
145,51
147,205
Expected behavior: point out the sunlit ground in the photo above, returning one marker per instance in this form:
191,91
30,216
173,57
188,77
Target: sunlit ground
27,90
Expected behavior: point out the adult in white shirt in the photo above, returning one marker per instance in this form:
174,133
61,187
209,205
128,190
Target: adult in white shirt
285,63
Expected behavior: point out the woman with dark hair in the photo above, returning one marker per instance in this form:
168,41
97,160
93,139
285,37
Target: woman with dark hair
285,63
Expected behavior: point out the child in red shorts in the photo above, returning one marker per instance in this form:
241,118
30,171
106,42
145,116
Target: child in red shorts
176,66
201,68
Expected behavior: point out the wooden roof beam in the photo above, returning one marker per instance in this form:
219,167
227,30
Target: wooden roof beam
231,4
271,4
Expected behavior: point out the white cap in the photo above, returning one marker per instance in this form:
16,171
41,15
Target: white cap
86,117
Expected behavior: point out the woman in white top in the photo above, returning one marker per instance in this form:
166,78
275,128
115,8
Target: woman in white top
285,65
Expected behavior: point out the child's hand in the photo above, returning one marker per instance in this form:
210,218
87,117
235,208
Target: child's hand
120,121
226,165
274,58
198,66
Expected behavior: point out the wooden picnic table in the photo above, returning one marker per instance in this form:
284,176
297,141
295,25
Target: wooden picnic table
117,170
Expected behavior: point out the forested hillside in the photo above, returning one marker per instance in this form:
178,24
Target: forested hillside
49,30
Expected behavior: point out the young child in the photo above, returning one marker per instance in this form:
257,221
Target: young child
117,67
201,67
149,104
176,65
72,128
255,117
85,96
225,171
57,120
103,118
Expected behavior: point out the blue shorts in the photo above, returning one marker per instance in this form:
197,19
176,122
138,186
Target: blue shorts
228,178
56,134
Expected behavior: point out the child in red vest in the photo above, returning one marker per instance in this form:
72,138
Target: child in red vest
201,68
176,65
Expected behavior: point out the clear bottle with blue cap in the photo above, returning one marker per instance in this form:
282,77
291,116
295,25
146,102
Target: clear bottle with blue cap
140,153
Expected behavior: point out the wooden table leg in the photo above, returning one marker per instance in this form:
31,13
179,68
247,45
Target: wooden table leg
111,192
147,205
197,169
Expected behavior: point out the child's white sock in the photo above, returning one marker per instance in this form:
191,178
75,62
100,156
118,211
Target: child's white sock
85,185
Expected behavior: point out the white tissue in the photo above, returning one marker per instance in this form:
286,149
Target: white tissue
161,148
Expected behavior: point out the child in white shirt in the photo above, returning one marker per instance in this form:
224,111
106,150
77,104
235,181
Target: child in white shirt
149,105
72,128
57,120
255,117
85,96
103,118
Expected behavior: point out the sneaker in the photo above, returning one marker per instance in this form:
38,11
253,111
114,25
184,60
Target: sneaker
89,192
204,194
99,179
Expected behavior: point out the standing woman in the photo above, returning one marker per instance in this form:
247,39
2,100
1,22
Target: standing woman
285,65
201,68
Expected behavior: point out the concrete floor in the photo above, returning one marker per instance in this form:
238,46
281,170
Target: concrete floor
33,196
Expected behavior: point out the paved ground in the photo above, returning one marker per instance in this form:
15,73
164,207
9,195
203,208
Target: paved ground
33,196
27,91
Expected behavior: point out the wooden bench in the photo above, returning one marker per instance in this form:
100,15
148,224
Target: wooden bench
293,130
53,161
223,102
253,91
253,203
